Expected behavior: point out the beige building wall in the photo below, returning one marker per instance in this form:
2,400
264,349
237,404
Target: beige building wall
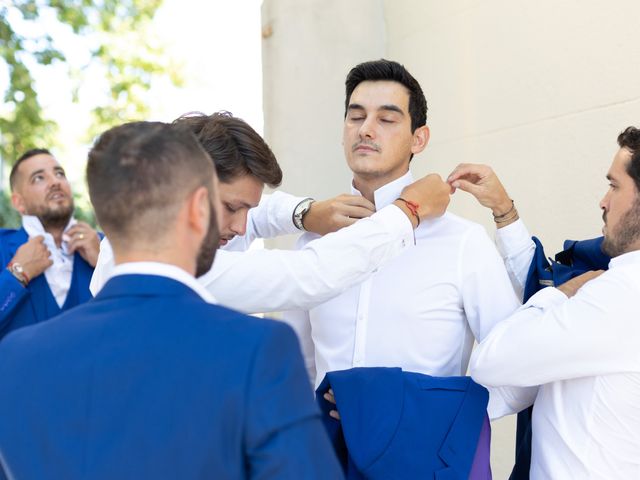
539,90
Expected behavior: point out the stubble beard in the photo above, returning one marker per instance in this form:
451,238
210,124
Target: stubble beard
626,233
209,246
56,217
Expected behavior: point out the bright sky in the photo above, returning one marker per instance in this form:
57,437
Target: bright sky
217,44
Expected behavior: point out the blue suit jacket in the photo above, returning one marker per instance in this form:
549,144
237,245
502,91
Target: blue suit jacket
20,306
404,425
147,381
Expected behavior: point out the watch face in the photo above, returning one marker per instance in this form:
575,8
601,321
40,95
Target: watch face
17,268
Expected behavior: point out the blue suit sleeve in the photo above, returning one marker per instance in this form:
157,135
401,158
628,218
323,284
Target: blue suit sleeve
12,293
284,437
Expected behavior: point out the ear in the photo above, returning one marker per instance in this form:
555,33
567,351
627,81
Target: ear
198,211
420,139
18,203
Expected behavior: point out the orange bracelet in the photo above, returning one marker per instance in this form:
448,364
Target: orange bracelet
413,208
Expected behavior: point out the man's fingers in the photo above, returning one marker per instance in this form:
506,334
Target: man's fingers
357,212
465,169
328,396
467,186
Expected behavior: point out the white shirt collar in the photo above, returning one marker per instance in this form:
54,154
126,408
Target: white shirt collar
625,259
164,270
33,227
388,193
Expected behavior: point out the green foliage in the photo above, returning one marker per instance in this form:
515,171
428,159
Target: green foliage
9,218
109,29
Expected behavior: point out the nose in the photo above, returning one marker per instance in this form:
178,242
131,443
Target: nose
366,129
239,224
604,203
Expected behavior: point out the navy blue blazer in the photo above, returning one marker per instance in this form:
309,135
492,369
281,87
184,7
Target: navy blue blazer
404,425
148,381
20,306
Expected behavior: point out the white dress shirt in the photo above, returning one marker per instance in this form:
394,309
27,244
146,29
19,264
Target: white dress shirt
517,249
60,273
420,311
272,280
583,352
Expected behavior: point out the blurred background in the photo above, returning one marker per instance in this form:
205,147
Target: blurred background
539,90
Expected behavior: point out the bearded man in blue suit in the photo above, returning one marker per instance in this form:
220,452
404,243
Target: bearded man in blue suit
149,380
50,259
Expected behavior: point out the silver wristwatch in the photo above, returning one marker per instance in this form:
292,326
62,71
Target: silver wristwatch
299,212
17,271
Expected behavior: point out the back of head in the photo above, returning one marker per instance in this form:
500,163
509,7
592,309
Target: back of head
235,148
629,138
139,175
387,70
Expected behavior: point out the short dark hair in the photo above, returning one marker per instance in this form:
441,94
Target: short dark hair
629,138
235,148
140,173
13,176
393,71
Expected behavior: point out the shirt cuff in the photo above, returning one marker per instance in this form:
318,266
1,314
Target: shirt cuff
513,238
546,298
395,220
281,207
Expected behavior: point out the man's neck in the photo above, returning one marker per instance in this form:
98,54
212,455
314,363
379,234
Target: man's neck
56,232
367,186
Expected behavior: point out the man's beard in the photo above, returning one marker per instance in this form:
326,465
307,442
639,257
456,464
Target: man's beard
626,233
209,245
54,218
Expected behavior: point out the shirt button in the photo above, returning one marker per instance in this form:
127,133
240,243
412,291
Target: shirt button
404,244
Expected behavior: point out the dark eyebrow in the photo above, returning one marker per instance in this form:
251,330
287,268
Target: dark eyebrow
240,204
387,108
392,108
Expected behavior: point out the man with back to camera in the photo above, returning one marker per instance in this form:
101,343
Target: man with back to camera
148,380
574,349
50,259
270,280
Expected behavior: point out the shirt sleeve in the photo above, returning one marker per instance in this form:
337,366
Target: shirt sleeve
509,400
276,280
271,218
487,293
517,249
552,338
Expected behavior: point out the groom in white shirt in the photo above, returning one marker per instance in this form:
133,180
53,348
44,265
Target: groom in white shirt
423,310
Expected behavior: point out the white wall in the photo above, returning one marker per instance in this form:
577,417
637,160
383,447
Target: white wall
539,90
